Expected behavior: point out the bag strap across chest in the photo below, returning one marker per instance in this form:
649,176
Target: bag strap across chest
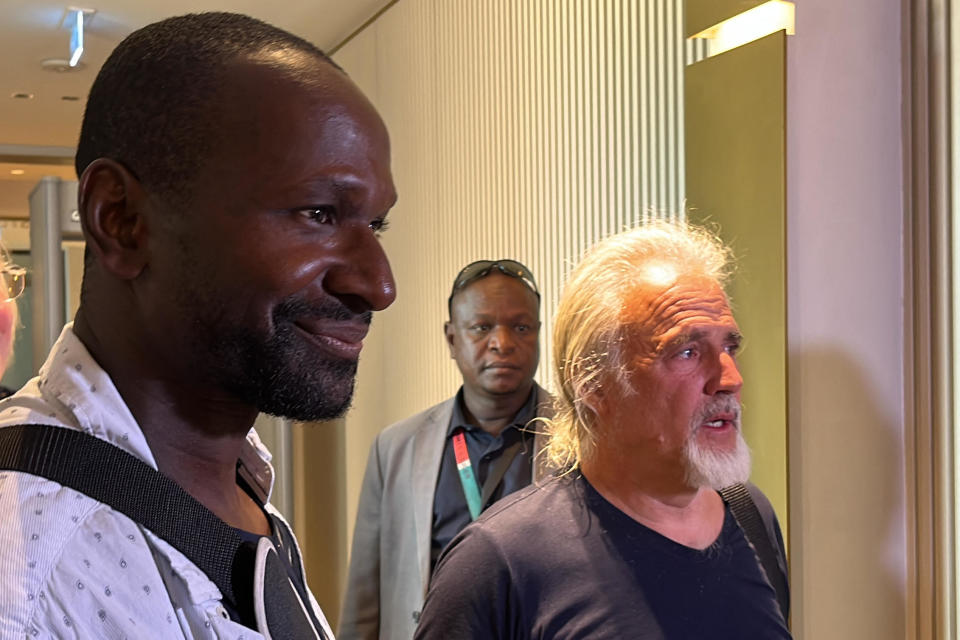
748,516
114,477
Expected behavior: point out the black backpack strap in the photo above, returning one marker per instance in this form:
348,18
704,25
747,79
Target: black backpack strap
748,517
112,476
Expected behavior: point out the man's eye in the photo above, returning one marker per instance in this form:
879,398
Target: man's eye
320,215
523,328
480,328
380,225
733,349
687,354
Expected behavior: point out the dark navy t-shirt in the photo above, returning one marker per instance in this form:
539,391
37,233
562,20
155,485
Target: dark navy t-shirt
559,561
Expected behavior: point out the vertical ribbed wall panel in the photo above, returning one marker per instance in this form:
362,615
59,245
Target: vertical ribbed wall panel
527,129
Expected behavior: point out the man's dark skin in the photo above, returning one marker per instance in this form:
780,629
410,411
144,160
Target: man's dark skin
493,334
288,205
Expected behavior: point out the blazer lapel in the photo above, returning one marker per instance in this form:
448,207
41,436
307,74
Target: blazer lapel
427,451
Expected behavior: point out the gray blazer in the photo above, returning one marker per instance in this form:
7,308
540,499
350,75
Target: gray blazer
390,556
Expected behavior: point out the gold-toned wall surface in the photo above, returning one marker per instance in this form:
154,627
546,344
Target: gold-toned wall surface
736,178
527,129
318,496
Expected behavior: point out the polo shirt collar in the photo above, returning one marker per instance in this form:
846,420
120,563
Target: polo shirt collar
526,413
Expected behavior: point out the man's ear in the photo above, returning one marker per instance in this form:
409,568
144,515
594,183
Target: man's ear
595,396
112,204
448,334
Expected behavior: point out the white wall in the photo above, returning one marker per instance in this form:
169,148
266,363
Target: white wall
845,283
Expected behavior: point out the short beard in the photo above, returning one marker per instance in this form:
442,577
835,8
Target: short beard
281,373
716,469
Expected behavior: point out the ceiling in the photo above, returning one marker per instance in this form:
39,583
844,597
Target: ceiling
38,134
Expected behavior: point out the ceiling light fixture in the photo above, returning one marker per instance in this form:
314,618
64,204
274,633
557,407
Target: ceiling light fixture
76,37
59,65
22,95
17,172
76,20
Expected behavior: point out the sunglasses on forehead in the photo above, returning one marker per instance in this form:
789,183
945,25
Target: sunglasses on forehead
482,268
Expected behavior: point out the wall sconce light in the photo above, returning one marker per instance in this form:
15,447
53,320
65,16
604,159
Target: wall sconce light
753,24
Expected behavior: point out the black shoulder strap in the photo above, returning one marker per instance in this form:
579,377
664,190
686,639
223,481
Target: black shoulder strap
499,469
748,517
114,477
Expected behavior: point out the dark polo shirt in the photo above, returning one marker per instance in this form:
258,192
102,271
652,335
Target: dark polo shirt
450,511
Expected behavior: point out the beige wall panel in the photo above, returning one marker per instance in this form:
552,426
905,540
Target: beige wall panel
318,506
845,320
735,137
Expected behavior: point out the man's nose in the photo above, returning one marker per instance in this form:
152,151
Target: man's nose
362,278
726,376
501,340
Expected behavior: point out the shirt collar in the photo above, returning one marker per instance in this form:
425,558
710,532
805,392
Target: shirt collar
82,395
74,382
526,413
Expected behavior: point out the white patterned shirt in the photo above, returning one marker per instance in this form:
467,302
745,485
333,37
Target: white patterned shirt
72,567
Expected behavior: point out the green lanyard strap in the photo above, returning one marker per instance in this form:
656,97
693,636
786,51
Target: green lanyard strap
471,488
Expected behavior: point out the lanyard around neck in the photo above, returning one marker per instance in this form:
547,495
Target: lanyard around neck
471,488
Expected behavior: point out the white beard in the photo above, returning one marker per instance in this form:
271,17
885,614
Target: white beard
707,467
716,469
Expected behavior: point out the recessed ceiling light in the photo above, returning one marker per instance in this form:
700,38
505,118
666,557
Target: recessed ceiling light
60,65
21,95
70,98
17,172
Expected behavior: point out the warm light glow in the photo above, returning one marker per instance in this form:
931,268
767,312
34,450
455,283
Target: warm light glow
659,274
748,26
17,172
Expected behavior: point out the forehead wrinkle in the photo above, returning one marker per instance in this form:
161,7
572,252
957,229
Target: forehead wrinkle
658,313
652,315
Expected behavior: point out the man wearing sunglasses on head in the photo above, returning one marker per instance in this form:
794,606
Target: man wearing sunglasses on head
430,475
